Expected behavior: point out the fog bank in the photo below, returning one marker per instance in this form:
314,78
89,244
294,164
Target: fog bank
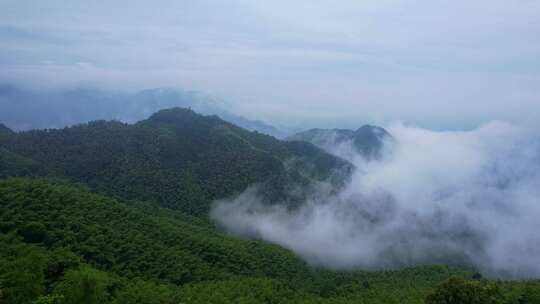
461,198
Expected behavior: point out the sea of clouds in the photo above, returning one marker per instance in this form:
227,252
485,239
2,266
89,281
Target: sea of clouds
461,198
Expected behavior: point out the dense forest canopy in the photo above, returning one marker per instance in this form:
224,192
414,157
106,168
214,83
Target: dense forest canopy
109,212
177,158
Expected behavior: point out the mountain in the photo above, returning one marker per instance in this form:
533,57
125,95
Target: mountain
25,109
367,141
119,235
62,244
115,213
81,247
178,159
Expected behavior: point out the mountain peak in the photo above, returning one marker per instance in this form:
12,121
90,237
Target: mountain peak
177,115
367,140
372,128
371,133
173,112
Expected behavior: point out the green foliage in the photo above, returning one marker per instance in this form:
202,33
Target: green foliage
176,158
21,273
61,243
530,295
59,261
85,286
12,164
239,290
135,239
139,253
138,291
49,299
33,232
456,290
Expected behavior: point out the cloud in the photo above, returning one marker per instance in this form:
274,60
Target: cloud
462,198
438,64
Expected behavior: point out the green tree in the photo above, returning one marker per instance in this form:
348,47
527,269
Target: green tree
531,295
33,232
22,280
456,290
49,299
85,286
141,292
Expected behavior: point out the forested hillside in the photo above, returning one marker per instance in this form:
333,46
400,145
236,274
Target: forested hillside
176,158
62,242
108,212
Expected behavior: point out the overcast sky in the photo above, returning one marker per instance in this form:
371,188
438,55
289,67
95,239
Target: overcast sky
433,63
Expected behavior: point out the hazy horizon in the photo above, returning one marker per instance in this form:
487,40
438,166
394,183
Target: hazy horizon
439,65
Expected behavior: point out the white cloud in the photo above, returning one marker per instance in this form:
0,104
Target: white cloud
438,197
442,64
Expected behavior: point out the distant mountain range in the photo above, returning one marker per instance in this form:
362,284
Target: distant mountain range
367,141
24,109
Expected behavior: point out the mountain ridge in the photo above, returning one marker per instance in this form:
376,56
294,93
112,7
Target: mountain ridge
368,140
177,158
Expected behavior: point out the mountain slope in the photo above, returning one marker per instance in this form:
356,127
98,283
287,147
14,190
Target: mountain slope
60,241
53,235
133,240
176,158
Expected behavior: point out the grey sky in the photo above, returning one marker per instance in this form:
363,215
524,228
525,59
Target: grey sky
439,64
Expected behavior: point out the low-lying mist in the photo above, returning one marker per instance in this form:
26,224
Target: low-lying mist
461,198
